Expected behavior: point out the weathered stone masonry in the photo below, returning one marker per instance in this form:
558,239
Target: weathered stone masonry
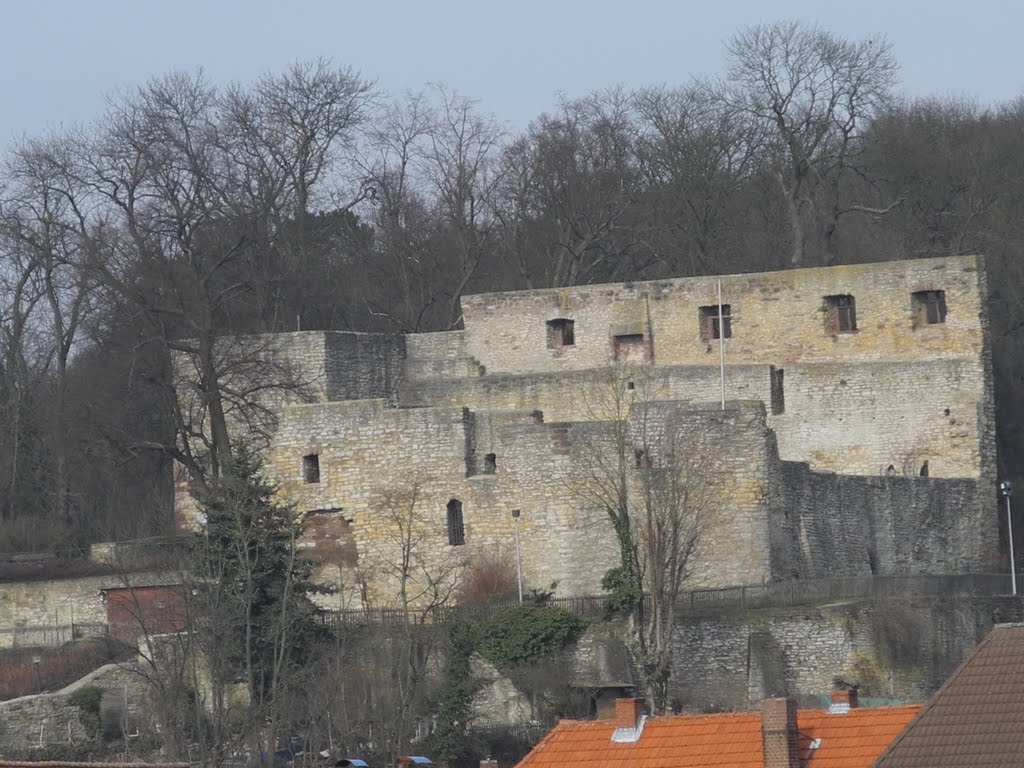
852,444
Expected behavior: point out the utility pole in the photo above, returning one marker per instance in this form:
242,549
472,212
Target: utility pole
1006,490
519,558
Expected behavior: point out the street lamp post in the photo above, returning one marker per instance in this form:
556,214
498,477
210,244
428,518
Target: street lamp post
1006,489
519,558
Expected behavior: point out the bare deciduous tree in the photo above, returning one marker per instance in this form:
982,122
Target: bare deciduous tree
569,191
425,580
47,221
647,471
814,94
696,155
433,169
200,186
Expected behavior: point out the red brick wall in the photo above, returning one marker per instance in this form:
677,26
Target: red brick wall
135,612
328,538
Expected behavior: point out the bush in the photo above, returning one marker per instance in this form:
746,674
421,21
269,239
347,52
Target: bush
520,634
509,638
88,700
491,578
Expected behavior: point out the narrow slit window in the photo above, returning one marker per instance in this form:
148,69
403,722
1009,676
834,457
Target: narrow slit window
840,314
778,391
490,463
561,333
456,527
929,307
311,468
709,322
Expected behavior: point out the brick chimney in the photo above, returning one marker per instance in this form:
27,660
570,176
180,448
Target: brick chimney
628,711
779,732
843,701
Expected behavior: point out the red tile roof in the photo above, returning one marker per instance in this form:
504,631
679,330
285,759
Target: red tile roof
977,717
851,740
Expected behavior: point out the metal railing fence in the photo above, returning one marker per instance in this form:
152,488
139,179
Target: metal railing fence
778,594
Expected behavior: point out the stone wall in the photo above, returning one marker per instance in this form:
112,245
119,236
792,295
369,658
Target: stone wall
441,344
583,395
363,366
778,318
842,390
862,418
505,415
386,468
304,366
769,519
851,525
895,649
47,719
60,601
80,600
716,476
382,468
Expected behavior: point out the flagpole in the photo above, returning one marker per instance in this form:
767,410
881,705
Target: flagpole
721,345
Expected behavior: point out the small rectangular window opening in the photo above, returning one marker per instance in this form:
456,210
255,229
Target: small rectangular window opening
840,314
629,348
456,528
709,322
490,463
311,468
929,307
561,333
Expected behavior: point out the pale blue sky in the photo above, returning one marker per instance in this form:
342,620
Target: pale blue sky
59,57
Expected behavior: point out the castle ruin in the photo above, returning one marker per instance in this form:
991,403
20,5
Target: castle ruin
857,434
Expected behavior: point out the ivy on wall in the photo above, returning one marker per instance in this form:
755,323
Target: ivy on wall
521,634
88,700
507,637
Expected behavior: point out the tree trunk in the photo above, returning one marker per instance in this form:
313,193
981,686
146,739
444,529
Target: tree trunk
796,230
221,449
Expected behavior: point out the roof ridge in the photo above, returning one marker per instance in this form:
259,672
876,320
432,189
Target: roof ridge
934,698
861,711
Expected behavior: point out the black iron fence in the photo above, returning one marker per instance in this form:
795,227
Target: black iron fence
778,594
782,594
